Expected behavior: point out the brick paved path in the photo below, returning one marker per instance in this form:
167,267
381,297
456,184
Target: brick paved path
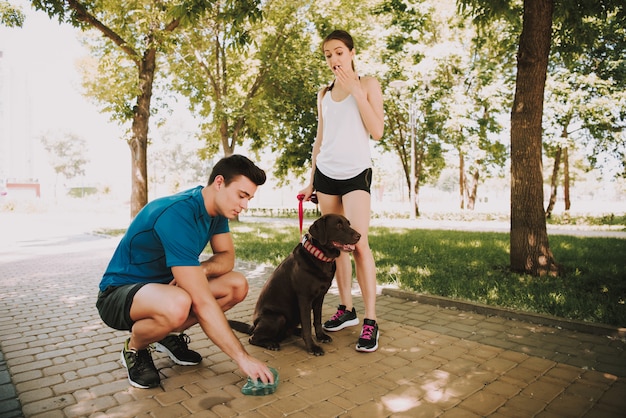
432,362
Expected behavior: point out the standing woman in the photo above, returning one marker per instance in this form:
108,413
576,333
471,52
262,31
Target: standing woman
350,112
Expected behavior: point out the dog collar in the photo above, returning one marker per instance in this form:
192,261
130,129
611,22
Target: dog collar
317,253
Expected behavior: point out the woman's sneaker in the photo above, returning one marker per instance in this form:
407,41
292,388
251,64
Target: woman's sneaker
341,319
368,341
141,371
176,346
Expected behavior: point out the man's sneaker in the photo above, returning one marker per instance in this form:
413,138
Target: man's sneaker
368,341
176,347
141,371
341,319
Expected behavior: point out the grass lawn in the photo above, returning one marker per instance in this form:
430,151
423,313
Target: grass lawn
474,266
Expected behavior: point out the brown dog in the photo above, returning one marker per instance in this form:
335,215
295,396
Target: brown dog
298,285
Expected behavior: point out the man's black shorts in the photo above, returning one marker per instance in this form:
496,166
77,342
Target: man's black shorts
114,305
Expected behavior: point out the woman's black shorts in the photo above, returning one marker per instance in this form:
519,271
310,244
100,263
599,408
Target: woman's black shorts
326,185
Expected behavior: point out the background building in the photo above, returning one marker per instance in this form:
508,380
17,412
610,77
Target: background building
17,150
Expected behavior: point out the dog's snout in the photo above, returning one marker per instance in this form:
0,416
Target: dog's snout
357,236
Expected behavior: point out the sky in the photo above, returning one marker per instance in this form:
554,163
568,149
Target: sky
42,58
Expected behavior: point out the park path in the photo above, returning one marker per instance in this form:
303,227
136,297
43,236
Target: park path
60,360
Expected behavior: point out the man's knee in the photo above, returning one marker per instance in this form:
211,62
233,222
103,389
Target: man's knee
178,309
240,287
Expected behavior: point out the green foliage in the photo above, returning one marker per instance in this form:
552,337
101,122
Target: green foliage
457,88
10,16
584,104
67,154
588,58
118,72
111,79
257,90
82,191
484,12
472,266
610,219
592,35
251,70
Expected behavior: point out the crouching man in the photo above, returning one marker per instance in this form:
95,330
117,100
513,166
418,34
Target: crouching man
156,287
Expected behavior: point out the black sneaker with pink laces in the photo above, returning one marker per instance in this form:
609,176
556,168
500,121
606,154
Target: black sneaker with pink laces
341,319
368,341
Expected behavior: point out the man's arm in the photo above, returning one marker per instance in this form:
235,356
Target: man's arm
213,321
223,259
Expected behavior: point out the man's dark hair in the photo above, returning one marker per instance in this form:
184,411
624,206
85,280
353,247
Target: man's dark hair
234,166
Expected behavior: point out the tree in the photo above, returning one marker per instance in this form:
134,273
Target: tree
410,111
591,52
585,100
254,82
134,34
174,160
470,101
10,16
66,153
458,83
248,81
530,251
572,98
207,71
486,85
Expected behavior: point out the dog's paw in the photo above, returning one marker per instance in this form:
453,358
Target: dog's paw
270,345
316,350
324,338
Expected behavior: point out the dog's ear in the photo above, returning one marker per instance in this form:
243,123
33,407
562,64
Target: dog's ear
318,231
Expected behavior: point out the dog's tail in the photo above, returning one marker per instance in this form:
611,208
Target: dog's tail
240,326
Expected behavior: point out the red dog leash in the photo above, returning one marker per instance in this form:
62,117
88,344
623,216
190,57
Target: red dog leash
300,197
300,212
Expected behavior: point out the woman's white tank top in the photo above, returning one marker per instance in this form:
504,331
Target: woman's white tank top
345,150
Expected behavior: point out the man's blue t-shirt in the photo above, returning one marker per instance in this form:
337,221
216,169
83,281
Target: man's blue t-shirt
167,232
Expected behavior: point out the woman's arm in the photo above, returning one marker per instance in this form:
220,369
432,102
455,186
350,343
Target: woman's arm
371,107
308,190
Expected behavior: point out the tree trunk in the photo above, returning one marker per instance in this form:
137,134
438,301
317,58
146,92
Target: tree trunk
554,182
139,140
566,179
530,251
462,179
420,151
472,190
417,198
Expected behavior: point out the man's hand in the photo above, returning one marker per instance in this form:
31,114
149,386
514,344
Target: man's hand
256,369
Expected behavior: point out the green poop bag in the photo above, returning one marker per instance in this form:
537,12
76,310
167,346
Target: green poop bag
258,388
